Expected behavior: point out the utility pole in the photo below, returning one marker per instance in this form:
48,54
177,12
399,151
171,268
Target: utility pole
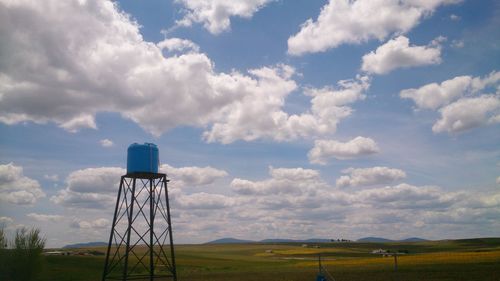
395,266
396,262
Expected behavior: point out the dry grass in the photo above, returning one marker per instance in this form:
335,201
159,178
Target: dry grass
476,259
412,260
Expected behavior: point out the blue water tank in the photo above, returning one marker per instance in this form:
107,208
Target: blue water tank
142,158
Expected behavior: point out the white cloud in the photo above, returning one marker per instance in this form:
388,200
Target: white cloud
461,102
357,147
215,14
397,53
53,177
261,116
90,188
203,201
5,220
457,44
94,224
96,188
294,174
45,217
454,17
106,66
104,179
297,202
369,176
192,176
82,200
355,22
178,45
498,180
106,143
15,188
405,196
434,95
282,181
468,113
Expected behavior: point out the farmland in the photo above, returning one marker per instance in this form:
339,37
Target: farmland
472,259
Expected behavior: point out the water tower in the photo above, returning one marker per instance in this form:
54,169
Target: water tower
140,243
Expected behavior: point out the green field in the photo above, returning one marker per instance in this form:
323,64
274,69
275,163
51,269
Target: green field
473,259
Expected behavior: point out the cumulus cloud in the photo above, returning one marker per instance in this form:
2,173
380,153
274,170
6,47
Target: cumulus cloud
282,181
178,45
105,65
203,201
261,116
355,22
44,217
96,188
15,188
357,147
90,188
318,203
106,143
468,113
215,14
53,177
457,44
294,202
433,96
192,176
94,224
406,196
461,101
5,220
294,174
370,176
397,53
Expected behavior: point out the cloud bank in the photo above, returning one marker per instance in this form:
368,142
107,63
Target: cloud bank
294,202
104,65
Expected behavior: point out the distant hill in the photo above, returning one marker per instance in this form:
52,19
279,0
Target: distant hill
384,240
277,240
312,240
229,241
374,240
84,245
413,239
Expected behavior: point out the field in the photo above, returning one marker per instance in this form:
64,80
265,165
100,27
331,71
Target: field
473,259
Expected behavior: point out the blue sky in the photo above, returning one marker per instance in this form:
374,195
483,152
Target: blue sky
298,119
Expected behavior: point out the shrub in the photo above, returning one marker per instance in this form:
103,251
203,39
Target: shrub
24,261
3,255
3,239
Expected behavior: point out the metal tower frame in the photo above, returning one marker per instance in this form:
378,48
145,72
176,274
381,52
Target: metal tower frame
141,226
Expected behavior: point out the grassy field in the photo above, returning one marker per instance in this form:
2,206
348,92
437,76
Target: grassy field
474,259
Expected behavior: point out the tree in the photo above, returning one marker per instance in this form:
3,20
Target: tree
3,239
26,259
3,255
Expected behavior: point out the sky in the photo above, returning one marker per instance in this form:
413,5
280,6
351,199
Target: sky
274,118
